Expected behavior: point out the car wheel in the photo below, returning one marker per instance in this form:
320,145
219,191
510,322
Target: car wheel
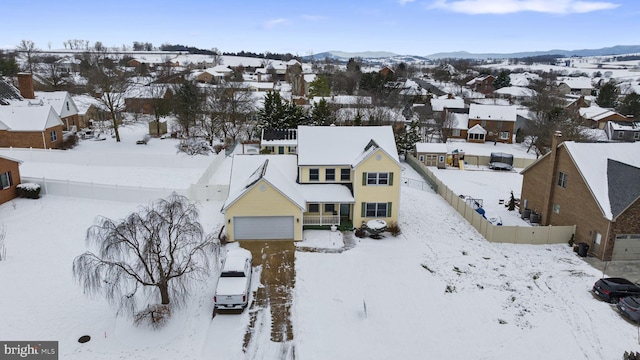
615,299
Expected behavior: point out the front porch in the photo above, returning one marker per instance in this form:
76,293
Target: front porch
323,216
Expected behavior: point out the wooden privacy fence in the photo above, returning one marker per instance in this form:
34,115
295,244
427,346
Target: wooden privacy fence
493,233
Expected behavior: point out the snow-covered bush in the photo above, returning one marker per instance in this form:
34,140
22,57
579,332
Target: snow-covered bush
194,146
28,190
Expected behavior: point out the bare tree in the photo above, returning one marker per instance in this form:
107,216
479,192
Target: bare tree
160,102
108,83
159,251
216,57
28,48
230,106
54,73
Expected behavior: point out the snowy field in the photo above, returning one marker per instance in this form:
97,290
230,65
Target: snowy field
438,291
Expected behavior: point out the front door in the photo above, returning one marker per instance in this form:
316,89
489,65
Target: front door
345,211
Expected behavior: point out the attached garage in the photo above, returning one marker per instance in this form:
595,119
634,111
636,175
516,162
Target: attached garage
626,247
263,228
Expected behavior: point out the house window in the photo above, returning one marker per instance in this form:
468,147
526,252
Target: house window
504,135
67,106
314,208
377,178
562,179
292,149
476,136
314,174
441,158
455,132
5,180
329,208
620,134
636,135
329,174
270,149
345,174
421,158
556,208
54,136
484,123
376,209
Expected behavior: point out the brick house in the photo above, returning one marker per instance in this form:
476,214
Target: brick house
37,126
593,186
9,178
596,117
141,99
497,121
483,84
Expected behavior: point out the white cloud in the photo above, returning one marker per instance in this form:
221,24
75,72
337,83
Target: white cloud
404,2
275,22
513,6
314,17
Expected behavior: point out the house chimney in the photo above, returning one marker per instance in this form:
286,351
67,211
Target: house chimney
25,85
556,140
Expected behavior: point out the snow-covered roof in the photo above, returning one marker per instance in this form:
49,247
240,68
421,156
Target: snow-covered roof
596,113
522,79
516,91
28,118
493,112
431,148
459,121
624,125
56,99
440,104
152,91
576,82
477,129
281,172
341,145
278,170
591,159
84,102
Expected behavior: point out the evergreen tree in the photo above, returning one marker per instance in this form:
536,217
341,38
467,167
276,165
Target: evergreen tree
630,106
187,106
608,95
322,114
319,86
502,80
278,113
406,138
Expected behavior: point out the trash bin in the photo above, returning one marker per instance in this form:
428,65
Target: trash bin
583,248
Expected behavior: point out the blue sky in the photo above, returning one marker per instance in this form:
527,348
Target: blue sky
412,27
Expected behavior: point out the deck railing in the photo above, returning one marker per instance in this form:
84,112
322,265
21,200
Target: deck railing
321,220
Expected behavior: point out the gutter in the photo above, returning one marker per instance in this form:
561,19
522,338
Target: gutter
44,141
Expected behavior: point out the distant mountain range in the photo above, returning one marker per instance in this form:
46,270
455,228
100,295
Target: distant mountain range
379,55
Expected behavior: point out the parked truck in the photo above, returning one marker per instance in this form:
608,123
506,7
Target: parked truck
234,284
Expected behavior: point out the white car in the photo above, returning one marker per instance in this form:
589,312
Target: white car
234,284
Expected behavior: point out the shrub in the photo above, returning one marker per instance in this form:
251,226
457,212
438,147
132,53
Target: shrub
69,141
361,233
194,146
393,229
28,190
154,315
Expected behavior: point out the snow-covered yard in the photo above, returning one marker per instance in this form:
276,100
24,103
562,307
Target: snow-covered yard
439,290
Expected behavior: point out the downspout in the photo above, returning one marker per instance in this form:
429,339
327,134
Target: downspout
44,141
548,200
606,241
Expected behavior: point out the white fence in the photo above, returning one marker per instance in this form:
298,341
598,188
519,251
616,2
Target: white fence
201,191
493,233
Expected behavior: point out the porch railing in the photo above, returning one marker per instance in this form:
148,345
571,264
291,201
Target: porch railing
321,220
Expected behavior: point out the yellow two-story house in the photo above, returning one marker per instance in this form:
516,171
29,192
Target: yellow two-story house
341,176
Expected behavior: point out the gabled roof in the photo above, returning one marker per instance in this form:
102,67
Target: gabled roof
278,170
477,129
10,159
8,92
592,161
576,82
493,112
341,145
597,113
516,91
58,100
624,186
28,118
624,125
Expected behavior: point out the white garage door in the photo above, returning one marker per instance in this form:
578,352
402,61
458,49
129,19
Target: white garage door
626,247
263,227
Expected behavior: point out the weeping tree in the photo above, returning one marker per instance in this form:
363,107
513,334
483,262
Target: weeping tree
158,252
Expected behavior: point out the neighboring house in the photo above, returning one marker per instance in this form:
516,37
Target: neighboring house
457,123
496,122
279,141
431,154
575,85
596,117
482,84
593,186
342,176
140,99
90,109
9,178
623,131
515,93
37,126
63,104
386,72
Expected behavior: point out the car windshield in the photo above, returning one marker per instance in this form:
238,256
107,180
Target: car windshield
619,281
